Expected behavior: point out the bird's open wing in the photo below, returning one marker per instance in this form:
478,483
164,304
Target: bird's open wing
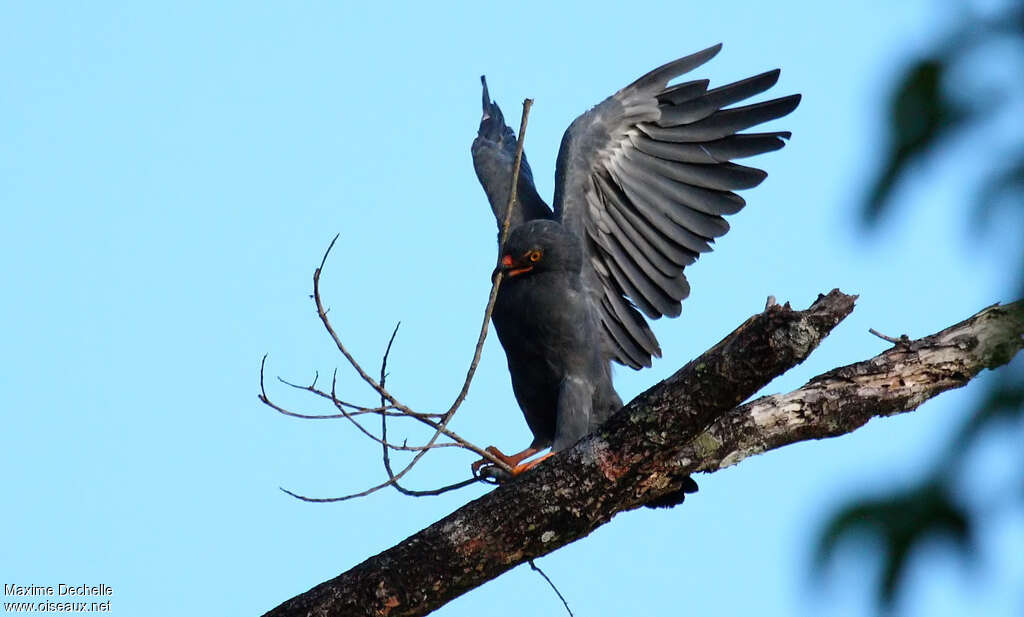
645,177
494,151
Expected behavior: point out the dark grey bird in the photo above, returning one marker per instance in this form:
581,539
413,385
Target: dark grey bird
641,186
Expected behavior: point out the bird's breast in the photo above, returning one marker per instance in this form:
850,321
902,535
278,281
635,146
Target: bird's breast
543,314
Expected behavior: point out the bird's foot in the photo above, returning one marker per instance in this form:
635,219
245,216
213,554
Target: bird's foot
518,469
512,461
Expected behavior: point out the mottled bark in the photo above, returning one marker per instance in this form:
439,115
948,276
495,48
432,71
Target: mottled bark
844,399
689,422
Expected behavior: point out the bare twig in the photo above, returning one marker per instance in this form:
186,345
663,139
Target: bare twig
902,340
379,440
322,313
384,419
496,284
384,436
458,441
534,567
514,189
348,416
357,410
265,399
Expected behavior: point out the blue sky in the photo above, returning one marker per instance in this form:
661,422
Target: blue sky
171,174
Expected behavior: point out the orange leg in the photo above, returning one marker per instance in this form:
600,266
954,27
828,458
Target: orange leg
518,469
511,461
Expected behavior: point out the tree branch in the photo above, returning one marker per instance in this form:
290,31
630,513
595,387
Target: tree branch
844,399
689,422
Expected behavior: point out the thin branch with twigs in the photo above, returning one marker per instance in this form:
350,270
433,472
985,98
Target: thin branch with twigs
384,436
390,406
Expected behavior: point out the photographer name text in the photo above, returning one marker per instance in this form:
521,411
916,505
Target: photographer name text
61,589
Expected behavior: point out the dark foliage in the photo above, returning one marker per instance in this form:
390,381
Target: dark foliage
924,110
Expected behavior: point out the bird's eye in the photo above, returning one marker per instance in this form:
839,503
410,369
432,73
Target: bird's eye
533,256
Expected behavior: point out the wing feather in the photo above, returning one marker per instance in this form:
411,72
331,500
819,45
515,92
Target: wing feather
629,339
661,289
618,226
723,177
724,123
686,91
645,178
718,151
649,203
644,302
698,108
619,205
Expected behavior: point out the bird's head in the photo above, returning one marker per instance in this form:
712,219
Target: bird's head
538,246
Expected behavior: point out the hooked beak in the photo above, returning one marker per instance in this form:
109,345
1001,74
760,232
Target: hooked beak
510,267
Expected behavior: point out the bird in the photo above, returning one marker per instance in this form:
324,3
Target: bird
643,181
